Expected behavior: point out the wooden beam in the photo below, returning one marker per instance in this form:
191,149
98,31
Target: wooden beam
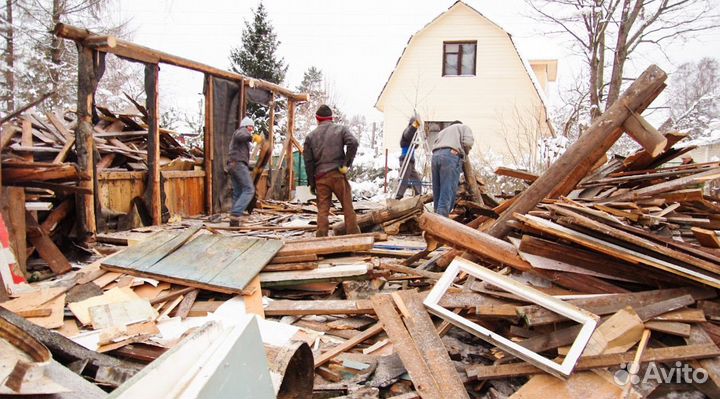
644,134
325,357
45,246
88,76
208,142
565,173
153,150
706,238
26,138
289,156
518,174
147,55
420,372
659,355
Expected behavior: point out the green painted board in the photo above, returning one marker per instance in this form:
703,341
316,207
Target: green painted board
248,265
213,262
137,251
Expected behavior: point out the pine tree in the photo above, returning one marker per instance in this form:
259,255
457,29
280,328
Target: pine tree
257,56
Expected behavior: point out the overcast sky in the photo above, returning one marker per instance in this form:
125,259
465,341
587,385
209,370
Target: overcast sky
355,43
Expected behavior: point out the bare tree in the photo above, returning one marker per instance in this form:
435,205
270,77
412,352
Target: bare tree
607,32
694,97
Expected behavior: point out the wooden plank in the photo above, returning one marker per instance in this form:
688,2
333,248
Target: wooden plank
711,365
706,238
45,246
655,309
188,300
617,251
284,267
518,174
26,138
81,309
192,258
119,314
330,245
658,355
634,240
669,327
244,268
535,315
311,257
146,254
55,319
426,339
325,357
7,133
334,273
12,200
319,307
420,372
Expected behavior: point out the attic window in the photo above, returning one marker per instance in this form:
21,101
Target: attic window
459,58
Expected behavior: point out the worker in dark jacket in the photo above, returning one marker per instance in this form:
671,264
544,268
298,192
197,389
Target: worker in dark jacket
329,151
451,146
411,177
239,169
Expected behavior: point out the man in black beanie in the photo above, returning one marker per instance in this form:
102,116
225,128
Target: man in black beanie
329,151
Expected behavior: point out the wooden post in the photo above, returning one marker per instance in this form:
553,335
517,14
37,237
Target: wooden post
576,162
153,149
91,65
289,155
208,143
243,101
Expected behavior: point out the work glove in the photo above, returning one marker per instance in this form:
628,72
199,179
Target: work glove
417,123
343,170
257,138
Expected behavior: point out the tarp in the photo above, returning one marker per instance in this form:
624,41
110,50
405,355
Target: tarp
225,119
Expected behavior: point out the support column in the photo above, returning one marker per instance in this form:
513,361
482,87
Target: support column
288,156
243,101
208,143
153,148
91,65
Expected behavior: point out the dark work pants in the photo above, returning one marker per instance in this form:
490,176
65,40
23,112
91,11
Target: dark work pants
411,178
446,168
243,187
334,182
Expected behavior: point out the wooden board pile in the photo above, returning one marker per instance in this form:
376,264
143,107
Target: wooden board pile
120,138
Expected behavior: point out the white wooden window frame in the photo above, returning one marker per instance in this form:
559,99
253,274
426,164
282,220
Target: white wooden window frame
562,370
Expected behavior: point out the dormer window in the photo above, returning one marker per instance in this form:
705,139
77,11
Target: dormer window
459,58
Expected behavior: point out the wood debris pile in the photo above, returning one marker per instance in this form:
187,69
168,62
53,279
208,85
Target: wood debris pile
568,290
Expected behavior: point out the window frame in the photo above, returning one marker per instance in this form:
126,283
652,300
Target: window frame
460,54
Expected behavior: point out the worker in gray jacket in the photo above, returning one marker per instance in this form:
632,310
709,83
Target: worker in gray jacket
329,151
451,145
239,169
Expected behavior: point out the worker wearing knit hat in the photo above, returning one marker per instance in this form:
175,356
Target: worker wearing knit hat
239,170
329,151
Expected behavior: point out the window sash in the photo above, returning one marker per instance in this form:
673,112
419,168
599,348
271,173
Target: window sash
459,58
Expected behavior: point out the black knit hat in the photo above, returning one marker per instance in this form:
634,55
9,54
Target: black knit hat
324,111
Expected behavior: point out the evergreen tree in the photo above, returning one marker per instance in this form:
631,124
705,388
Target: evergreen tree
257,56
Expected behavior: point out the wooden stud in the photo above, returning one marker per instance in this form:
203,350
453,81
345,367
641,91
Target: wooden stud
153,150
208,141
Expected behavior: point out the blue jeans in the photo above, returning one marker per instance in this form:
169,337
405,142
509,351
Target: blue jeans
446,168
243,187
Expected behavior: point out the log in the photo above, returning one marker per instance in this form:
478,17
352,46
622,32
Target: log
393,211
139,53
565,173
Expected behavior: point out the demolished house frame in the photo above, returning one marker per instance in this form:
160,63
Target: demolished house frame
92,49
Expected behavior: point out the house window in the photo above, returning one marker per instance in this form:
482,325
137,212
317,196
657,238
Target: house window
459,58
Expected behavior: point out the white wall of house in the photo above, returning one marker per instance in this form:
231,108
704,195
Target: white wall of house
499,103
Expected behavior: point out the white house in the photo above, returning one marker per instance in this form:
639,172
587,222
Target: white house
462,66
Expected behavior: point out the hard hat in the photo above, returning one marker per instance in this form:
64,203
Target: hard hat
246,122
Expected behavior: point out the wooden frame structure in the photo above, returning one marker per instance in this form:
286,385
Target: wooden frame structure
91,50
563,370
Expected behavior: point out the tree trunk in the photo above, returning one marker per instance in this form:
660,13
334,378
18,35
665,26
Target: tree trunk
10,58
621,48
56,44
